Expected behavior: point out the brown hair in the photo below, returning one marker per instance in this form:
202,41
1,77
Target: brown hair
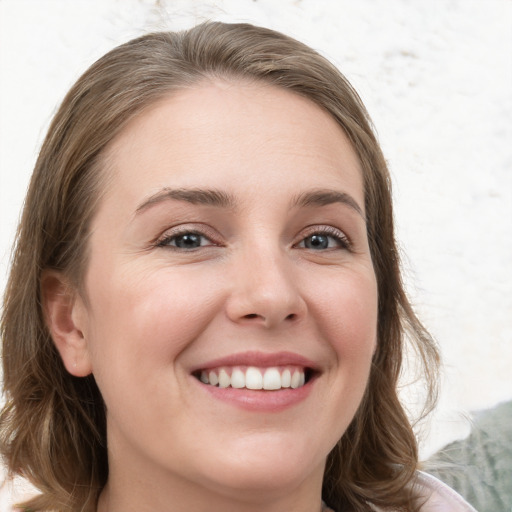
53,429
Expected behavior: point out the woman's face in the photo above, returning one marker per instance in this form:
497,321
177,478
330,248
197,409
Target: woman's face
230,245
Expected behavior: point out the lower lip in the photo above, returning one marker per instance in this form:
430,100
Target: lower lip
260,400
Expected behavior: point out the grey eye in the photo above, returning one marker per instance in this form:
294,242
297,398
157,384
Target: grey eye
324,240
188,241
317,242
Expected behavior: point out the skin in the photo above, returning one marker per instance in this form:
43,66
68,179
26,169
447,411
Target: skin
151,312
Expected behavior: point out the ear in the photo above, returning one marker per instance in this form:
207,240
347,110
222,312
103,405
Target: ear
65,315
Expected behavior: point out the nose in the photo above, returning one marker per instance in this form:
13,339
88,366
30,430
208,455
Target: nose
265,291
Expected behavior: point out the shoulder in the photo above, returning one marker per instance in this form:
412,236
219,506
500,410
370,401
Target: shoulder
439,497
436,496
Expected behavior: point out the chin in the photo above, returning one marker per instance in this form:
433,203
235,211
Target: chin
270,482
272,467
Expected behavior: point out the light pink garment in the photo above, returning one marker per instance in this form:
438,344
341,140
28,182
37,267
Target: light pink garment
439,497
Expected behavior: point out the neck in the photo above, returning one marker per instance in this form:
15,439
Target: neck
109,502
171,493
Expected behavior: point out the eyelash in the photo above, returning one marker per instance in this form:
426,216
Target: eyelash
342,241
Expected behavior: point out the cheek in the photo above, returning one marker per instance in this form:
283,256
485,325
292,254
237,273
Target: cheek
149,316
141,323
349,316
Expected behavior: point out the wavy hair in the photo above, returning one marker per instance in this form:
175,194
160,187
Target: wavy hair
53,427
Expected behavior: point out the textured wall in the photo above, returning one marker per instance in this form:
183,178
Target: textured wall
437,80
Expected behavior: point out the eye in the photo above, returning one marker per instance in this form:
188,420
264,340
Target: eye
325,239
186,240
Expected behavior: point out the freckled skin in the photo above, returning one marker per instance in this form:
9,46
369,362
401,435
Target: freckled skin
156,310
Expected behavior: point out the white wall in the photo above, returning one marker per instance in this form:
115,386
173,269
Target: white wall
437,79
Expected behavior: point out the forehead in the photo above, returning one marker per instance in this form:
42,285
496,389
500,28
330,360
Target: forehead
229,134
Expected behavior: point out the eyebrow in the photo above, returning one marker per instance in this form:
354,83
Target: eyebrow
323,197
212,197
221,199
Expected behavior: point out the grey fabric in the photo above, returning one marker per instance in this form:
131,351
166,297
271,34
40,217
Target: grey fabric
480,466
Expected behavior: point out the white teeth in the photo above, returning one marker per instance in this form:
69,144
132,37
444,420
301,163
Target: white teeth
237,379
270,379
295,383
224,380
212,377
286,379
253,378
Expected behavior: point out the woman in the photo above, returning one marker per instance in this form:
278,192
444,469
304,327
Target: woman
205,309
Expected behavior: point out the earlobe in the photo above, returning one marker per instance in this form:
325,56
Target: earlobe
65,316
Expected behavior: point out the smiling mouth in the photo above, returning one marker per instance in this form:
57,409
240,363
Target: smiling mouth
251,377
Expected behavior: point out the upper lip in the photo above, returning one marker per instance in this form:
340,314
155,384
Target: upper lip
259,359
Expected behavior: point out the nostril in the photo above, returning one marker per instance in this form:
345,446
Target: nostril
269,320
250,316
